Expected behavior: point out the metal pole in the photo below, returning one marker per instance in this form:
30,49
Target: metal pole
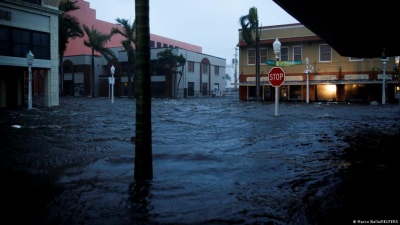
112,88
30,89
384,84
30,58
308,98
277,95
308,82
112,80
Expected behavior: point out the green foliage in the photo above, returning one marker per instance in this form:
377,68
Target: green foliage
170,60
249,24
128,32
97,41
69,26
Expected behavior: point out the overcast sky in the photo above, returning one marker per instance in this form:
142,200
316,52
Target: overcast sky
210,24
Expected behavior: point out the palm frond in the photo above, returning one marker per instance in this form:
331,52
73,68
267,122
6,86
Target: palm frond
249,24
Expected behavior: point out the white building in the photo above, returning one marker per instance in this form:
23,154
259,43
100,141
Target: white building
202,75
28,25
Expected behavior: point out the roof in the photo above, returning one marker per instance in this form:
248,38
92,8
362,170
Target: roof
355,29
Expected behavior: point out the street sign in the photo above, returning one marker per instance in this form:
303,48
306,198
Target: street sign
290,63
270,62
283,63
276,76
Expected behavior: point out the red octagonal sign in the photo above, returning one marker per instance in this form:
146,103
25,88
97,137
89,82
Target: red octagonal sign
276,76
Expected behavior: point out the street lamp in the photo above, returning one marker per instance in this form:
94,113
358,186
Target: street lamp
29,58
112,81
307,72
384,81
277,49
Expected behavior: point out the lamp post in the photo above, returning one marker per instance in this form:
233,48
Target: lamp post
112,80
29,58
384,81
277,49
307,72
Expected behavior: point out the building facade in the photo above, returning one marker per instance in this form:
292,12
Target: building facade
28,25
202,75
330,76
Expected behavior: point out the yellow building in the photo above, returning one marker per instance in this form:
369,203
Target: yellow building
331,77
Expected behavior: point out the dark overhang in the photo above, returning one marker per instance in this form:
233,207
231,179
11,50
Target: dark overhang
361,29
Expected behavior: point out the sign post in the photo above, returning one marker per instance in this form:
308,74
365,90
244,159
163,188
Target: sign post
276,76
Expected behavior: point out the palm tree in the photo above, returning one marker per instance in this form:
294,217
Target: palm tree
129,33
97,41
171,62
143,139
250,26
227,77
68,27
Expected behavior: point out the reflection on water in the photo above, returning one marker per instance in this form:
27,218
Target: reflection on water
139,199
215,160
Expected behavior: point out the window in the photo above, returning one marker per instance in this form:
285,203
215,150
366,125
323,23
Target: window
216,70
152,43
40,45
4,44
157,69
263,55
284,54
17,42
204,68
190,66
216,87
355,59
158,44
251,56
21,41
325,53
190,90
165,45
297,53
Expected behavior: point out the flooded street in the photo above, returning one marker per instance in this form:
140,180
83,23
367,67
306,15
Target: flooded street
215,161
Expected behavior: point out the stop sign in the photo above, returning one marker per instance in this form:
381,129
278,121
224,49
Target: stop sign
276,76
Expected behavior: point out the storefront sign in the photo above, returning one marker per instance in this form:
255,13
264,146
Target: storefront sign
5,15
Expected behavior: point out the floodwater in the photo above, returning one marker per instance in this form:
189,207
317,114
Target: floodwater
215,161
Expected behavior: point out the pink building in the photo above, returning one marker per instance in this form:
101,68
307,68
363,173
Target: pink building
77,79
87,16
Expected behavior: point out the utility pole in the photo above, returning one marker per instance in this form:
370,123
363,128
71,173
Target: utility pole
234,64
